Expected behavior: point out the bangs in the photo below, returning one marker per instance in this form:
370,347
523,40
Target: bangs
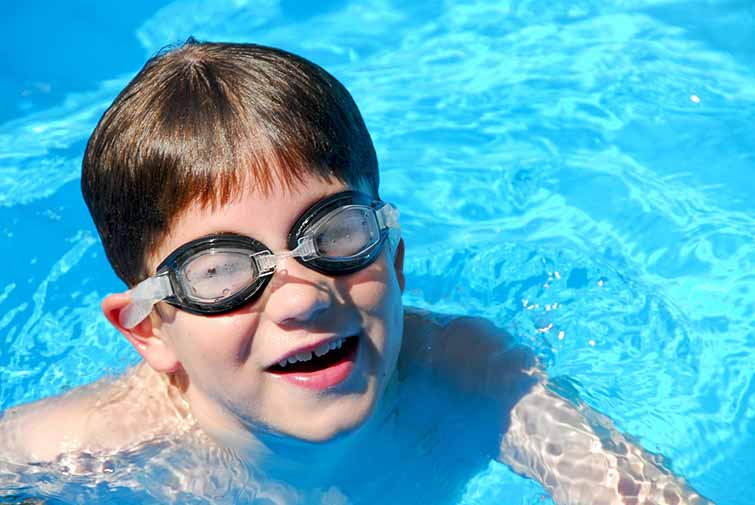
212,149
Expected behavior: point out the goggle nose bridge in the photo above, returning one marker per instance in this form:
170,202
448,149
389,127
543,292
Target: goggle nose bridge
266,261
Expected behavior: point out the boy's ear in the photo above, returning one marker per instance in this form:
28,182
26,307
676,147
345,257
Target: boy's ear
155,351
398,264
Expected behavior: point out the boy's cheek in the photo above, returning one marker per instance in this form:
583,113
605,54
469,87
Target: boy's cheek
223,337
373,284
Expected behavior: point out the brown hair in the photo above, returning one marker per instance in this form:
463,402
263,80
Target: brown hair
199,123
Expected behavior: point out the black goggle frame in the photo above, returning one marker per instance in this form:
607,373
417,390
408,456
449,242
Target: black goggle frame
171,265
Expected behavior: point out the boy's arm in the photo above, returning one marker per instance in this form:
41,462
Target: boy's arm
574,452
581,459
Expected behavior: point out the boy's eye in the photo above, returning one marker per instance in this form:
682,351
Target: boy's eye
216,275
346,233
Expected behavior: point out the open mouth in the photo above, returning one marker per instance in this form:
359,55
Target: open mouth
324,357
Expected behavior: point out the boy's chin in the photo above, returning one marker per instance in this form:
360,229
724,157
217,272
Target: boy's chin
322,417
332,425
320,437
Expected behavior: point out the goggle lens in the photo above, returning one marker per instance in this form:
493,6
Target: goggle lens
214,275
346,233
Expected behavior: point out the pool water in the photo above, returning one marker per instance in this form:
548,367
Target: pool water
580,172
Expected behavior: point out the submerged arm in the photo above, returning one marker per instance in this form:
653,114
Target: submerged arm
581,459
574,452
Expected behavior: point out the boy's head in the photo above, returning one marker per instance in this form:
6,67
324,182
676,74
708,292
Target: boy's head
261,150
201,122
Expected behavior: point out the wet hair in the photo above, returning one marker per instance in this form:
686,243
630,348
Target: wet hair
202,123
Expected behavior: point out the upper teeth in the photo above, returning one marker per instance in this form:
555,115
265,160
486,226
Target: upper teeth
321,350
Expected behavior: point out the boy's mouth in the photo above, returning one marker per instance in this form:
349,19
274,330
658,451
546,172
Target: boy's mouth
321,368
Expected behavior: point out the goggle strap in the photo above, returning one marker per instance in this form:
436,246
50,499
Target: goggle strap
143,297
387,216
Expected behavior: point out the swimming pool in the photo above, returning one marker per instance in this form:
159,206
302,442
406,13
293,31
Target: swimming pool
585,167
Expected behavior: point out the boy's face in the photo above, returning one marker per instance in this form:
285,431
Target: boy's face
236,386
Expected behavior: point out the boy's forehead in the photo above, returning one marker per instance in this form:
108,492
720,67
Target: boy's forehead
281,191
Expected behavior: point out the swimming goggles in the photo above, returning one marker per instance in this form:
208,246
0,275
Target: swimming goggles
339,235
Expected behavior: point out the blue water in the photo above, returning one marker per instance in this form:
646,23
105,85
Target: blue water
586,167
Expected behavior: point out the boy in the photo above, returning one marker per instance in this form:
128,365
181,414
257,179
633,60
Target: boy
235,189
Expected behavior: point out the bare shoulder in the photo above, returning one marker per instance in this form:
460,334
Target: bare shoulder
472,352
38,431
100,417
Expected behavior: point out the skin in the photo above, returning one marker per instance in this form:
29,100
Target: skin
220,361
204,379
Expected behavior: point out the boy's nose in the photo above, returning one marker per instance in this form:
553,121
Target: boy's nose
299,294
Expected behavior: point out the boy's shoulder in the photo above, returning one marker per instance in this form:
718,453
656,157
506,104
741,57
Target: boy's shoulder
41,430
471,352
104,417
